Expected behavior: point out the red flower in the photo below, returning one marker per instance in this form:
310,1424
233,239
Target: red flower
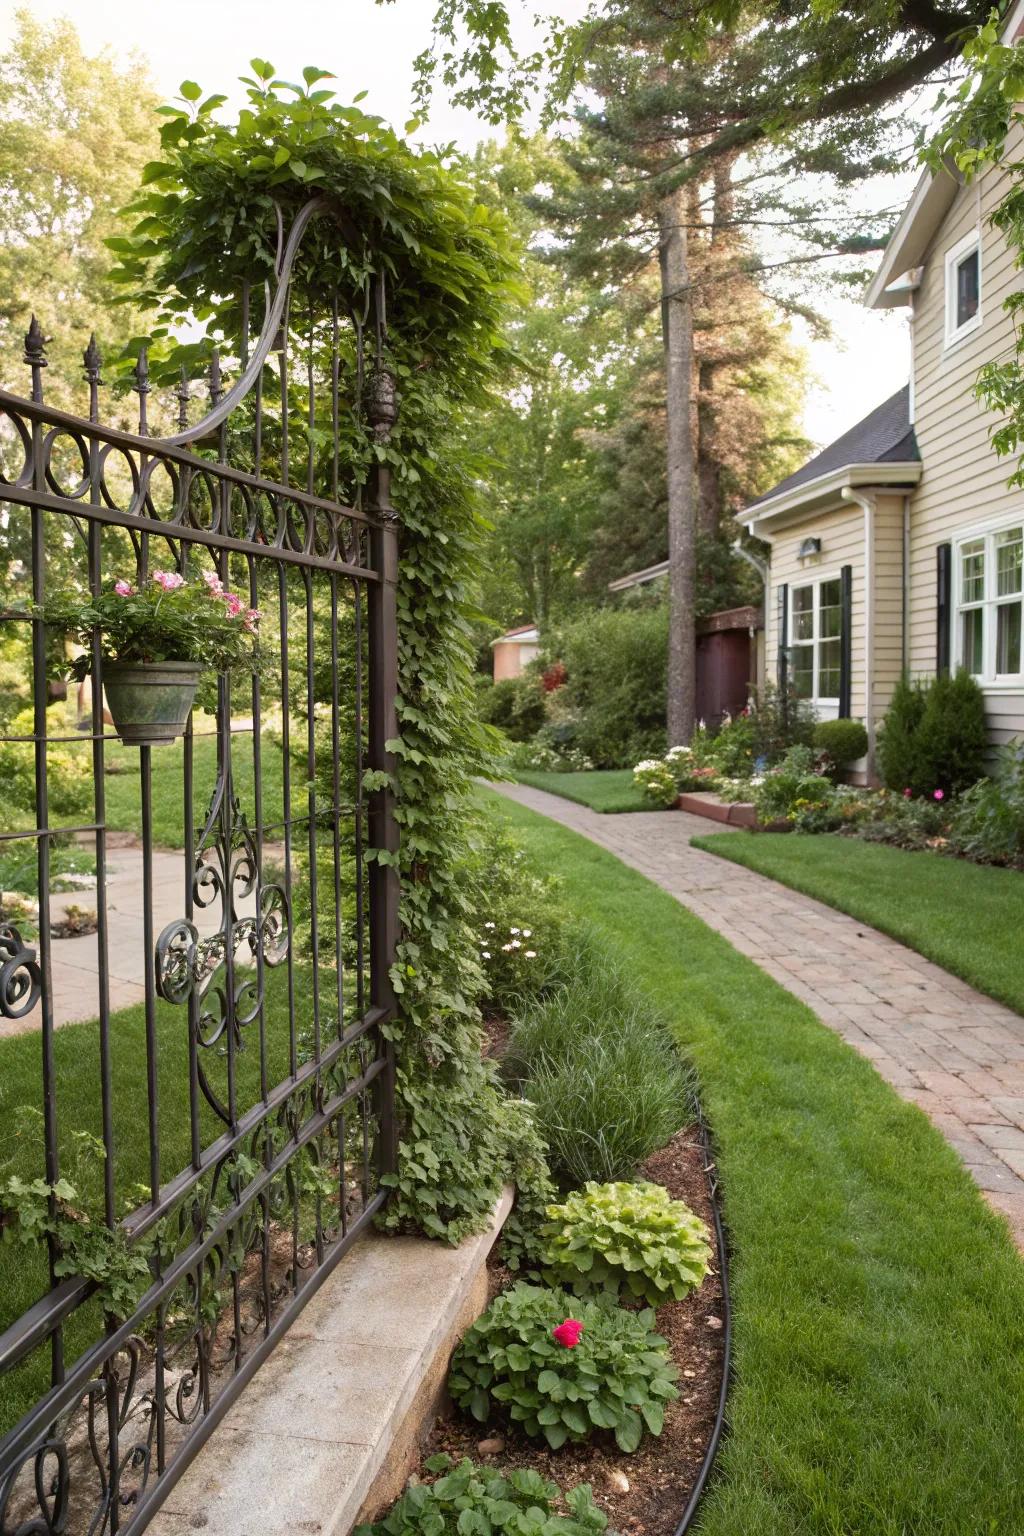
568,1333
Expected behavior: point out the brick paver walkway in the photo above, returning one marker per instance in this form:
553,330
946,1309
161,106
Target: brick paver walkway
941,1044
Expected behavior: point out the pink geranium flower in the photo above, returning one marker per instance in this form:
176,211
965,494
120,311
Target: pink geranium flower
214,582
124,588
568,1333
233,603
907,794
939,794
252,619
169,580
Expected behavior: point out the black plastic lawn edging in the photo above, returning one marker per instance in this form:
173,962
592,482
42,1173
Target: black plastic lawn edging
697,1493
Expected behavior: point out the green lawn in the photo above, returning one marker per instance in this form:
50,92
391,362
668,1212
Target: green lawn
124,793
879,1303
603,789
968,918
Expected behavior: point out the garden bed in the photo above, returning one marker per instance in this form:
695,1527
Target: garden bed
647,1491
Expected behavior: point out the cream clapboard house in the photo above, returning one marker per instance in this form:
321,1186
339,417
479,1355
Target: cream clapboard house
900,545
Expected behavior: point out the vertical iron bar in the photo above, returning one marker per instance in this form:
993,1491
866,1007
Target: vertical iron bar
286,789
336,807
311,804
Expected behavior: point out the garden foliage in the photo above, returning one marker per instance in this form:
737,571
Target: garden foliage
617,1376
207,223
625,1237
515,705
988,819
933,735
843,740
616,662
479,1501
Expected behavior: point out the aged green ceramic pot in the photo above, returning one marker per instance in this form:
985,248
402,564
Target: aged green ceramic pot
149,701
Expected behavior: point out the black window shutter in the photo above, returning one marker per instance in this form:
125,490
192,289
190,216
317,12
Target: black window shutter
782,598
846,642
943,605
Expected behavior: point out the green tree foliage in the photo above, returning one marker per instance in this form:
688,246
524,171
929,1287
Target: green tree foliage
617,661
75,132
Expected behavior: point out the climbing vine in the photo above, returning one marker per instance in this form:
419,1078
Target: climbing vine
207,218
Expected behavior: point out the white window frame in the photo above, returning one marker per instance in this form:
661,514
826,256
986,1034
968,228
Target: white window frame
987,534
954,257
825,705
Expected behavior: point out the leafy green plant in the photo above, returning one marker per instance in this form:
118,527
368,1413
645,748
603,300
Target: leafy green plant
844,740
791,788
68,772
987,822
618,1374
165,619
515,705
596,1062
631,1237
478,1501
934,736
655,778
616,661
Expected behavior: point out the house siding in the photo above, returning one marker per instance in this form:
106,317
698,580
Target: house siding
844,542
964,482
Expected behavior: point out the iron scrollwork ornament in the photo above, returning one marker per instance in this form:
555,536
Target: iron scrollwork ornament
223,971
20,977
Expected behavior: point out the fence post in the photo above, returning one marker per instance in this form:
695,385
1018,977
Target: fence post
381,409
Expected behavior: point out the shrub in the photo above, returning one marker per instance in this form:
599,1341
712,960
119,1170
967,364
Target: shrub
618,1374
596,1062
781,720
515,705
951,743
68,770
844,740
735,747
933,736
479,1501
905,822
521,928
655,778
778,795
988,820
633,1236
617,665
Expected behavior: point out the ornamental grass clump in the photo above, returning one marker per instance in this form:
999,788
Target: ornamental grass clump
608,1370
632,1237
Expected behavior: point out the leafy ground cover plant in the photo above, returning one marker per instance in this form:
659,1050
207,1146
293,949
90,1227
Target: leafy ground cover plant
987,822
631,1237
610,1371
478,1501
166,618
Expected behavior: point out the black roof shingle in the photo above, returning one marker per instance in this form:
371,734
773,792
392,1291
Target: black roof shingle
885,436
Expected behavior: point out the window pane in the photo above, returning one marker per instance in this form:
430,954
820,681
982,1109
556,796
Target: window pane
968,272
802,670
1008,638
830,609
829,662
803,613
1009,549
972,571
971,640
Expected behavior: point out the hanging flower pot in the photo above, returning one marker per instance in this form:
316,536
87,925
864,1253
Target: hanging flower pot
150,701
158,638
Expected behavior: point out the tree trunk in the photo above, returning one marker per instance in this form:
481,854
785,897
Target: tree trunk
677,327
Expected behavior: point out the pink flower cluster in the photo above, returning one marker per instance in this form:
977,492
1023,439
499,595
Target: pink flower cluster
937,794
568,1333
170,581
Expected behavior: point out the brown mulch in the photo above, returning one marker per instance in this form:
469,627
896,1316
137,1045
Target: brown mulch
662,1473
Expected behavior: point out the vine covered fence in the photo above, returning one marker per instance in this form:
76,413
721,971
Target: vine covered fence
259,1039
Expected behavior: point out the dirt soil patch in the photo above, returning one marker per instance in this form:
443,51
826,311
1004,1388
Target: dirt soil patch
643,1494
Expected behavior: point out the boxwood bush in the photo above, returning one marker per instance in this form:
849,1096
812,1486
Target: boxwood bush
617,1376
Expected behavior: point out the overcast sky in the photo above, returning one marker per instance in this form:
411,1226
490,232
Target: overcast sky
371,48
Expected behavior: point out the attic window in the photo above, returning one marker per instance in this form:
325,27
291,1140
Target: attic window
963,288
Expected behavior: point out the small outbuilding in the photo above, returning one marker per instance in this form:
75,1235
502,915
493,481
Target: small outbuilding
514,650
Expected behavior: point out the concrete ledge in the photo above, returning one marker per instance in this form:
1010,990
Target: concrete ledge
329,1428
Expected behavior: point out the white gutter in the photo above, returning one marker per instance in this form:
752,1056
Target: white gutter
868,501
831,486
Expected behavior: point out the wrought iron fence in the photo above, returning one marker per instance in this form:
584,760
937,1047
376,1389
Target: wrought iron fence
207,1070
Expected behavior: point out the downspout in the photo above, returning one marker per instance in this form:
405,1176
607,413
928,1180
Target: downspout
905,632
868,500
764,571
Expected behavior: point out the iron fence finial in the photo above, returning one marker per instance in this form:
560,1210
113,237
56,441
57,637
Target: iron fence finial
92,358
142,388
35,356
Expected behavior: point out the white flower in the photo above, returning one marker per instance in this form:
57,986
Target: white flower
486,954
488,925
513,930
515,944
527,933
505,948
531,954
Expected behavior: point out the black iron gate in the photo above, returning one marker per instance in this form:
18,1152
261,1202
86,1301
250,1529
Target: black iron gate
207,1070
